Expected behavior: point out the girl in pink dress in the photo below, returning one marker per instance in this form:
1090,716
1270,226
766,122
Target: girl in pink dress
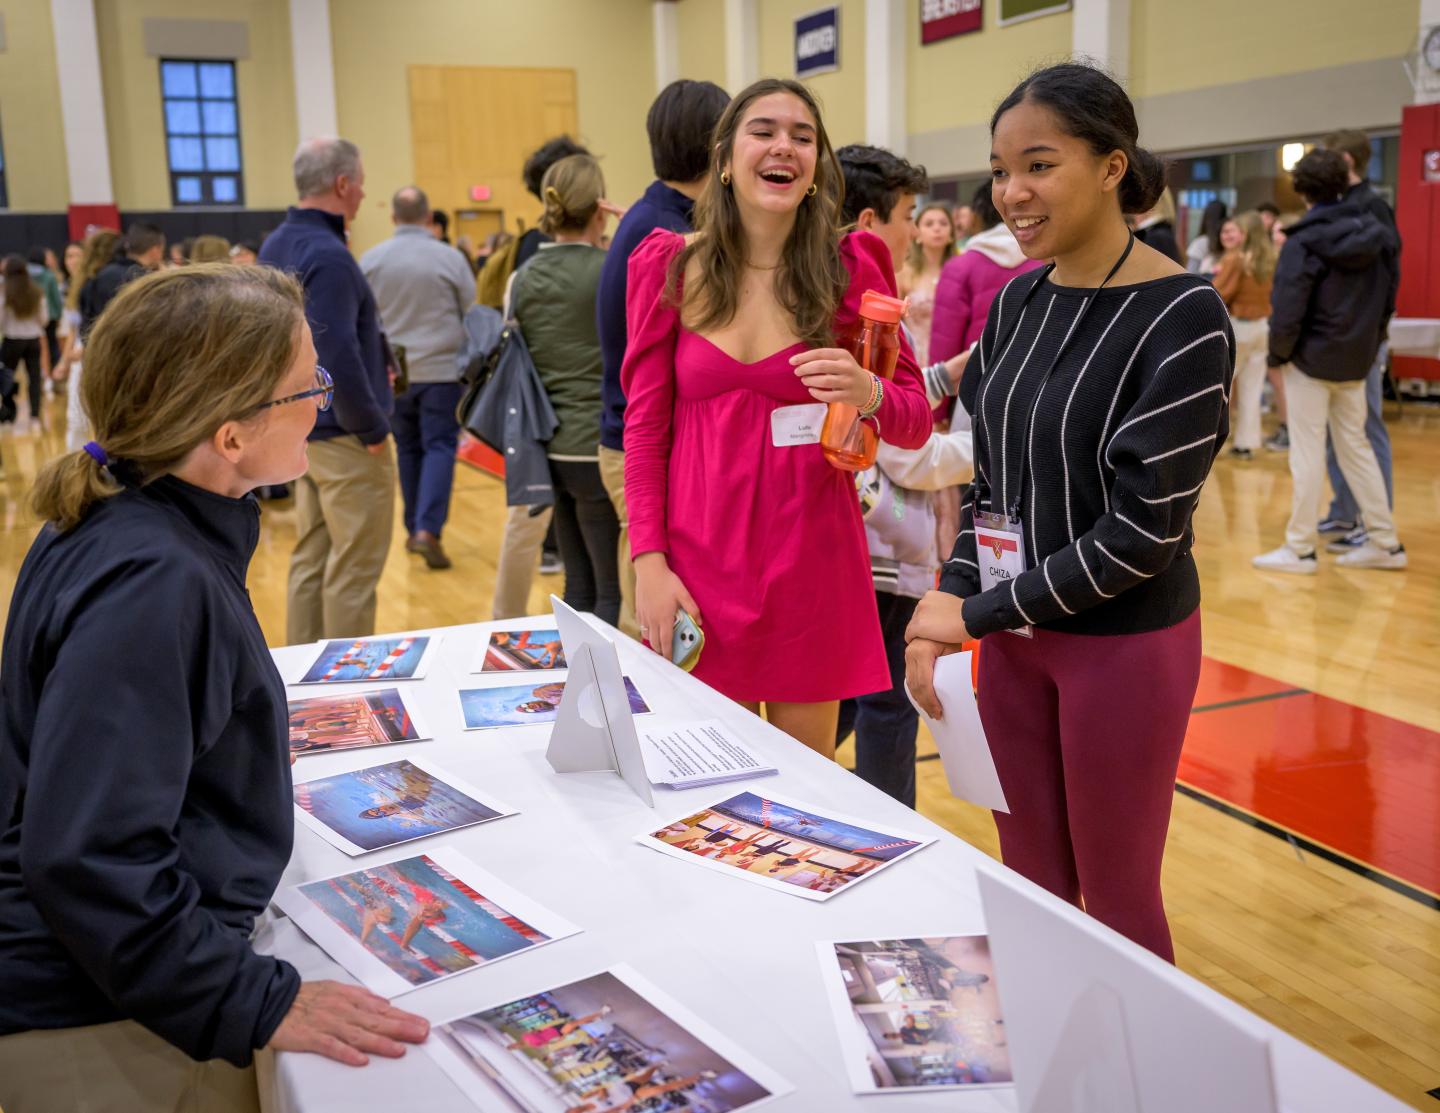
758,538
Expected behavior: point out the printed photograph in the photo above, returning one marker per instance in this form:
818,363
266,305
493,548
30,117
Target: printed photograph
346,660
918,1013
417,918
523,651
348,722
812,855
370,809
593,1046
519,705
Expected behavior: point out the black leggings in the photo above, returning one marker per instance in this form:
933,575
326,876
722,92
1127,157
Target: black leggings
589,536
14,352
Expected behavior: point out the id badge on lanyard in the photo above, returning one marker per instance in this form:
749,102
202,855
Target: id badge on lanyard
1000,553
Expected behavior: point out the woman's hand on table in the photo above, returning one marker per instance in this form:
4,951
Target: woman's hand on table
938,618
832,375
659,595
346,1023
920,657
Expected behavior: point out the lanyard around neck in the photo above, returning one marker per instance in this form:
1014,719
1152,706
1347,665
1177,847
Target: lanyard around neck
1014,503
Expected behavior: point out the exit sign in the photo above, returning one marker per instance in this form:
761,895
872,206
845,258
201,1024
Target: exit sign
479,193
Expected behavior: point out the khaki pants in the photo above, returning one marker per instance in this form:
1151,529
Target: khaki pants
1251,343
345,514
612,474
519,559
115,1068
1313,404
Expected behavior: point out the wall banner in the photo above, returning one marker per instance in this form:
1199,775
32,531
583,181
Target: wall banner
1016,11
944,19
817,42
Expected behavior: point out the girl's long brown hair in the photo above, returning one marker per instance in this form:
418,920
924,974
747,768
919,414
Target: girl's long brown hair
810,279
99,248
174,356
1257,253
22,296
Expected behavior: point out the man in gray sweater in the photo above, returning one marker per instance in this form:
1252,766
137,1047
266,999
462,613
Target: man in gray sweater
423,288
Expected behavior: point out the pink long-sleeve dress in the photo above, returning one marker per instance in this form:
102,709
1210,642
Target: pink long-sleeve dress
768,540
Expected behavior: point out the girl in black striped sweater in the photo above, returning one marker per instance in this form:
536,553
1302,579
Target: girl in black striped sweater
1098,397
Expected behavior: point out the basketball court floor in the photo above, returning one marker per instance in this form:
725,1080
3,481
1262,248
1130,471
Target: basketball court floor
1303,871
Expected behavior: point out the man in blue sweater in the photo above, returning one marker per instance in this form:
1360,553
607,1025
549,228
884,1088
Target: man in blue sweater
345,503
679,122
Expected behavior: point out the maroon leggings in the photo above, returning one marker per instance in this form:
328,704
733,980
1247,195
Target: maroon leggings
1087,732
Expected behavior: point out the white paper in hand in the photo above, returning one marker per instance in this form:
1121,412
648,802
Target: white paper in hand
960,738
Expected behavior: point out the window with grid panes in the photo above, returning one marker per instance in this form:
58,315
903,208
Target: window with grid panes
202,132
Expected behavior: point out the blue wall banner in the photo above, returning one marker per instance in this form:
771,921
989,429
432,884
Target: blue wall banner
817,42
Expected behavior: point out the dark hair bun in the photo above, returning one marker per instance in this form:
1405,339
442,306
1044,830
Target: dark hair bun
1144,182
1092,106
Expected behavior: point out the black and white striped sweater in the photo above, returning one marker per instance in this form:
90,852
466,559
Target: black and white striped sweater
1123,436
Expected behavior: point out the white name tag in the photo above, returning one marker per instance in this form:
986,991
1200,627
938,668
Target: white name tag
792,425
1000,552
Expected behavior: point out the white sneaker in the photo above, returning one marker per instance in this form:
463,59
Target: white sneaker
1371,555
1286,559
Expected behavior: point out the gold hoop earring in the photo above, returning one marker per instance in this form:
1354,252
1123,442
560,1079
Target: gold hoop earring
725,177
813,190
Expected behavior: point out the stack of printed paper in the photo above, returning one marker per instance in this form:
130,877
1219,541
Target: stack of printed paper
694,755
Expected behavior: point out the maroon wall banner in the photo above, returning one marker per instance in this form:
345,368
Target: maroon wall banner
944,19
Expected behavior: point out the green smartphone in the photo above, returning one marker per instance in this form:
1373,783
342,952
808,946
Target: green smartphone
686,641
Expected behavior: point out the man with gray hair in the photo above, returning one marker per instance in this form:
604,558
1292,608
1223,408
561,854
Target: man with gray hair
423,287
345,502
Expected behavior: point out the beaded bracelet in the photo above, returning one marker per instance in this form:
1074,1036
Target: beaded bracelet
877,395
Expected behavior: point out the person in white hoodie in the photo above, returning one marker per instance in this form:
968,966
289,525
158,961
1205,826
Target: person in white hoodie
896,494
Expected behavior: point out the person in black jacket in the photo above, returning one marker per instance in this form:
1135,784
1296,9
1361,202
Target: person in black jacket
145,795
1344,513
1334,290
142,251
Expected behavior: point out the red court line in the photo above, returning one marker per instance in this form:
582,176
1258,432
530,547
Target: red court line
1358,782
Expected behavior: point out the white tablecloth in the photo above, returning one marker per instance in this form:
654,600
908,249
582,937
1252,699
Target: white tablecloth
739,955
1415,336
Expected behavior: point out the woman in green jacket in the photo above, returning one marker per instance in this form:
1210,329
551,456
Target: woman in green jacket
553,299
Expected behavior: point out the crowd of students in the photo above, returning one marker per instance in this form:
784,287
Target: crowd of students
1064,387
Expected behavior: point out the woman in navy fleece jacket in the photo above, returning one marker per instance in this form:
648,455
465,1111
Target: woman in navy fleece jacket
145,813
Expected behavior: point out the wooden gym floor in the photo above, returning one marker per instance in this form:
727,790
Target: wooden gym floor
1303,872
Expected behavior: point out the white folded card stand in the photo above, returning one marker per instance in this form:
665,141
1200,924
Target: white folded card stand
594,728
1096,1025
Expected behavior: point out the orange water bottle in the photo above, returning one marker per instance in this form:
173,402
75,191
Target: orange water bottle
847,439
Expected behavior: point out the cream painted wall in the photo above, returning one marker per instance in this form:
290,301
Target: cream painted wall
609,45
31,125
960,81
700,34
134,115
1176,46
842,93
